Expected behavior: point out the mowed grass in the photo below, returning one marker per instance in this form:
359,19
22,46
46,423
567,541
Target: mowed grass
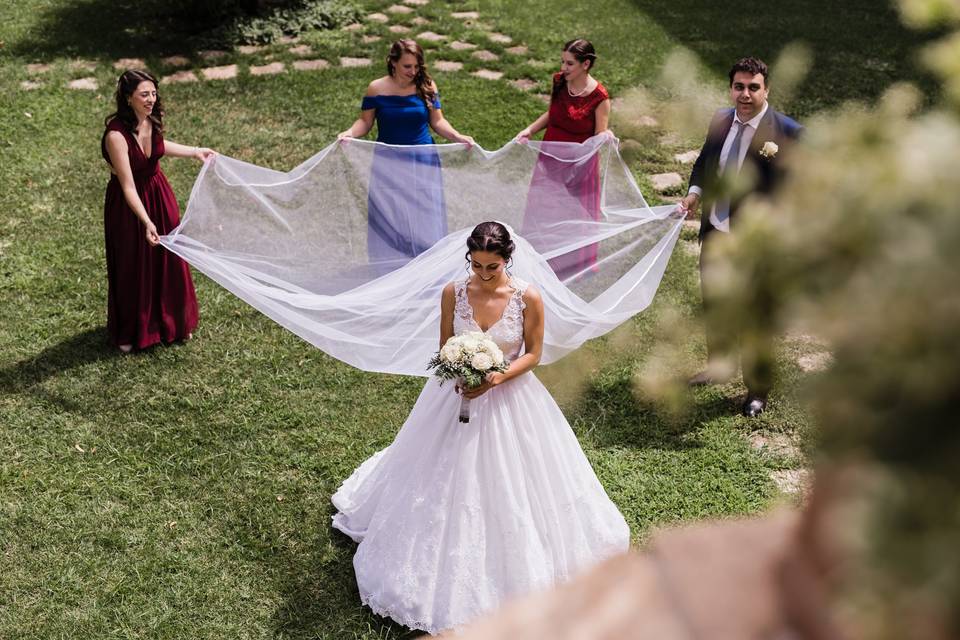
184,492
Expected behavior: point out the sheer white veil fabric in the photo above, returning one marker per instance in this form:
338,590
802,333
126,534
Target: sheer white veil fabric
299,246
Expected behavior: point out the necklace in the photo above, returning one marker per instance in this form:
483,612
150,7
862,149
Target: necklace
578,93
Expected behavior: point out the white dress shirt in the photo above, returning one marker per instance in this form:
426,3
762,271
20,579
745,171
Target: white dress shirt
748,133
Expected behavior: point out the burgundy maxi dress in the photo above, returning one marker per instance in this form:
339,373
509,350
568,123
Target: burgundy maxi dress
150,296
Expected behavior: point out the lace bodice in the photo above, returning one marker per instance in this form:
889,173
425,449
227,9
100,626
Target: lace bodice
507,332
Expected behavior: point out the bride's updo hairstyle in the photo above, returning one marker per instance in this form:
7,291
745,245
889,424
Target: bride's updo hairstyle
491,237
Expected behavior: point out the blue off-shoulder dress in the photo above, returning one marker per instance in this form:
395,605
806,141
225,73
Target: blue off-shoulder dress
406,213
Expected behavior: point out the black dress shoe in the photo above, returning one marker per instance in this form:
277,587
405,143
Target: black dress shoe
754,406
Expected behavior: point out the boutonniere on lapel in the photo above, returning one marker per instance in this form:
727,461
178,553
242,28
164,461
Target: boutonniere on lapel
769,149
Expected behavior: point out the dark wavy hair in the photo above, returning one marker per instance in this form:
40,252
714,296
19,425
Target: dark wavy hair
491,237
753,66
127,84
422,81
580,49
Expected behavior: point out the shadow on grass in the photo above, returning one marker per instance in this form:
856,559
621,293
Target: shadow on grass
616,415
859,47
108,29
321,592
76,351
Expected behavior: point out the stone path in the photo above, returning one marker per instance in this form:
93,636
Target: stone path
260,60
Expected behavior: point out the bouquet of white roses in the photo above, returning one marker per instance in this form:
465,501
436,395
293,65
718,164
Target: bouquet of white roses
468,358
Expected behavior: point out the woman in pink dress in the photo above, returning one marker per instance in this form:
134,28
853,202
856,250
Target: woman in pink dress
579,109
150,296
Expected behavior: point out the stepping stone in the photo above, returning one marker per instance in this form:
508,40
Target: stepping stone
212,54
310,65
457,45
30,85
487,74
544,97
815,361
416,3
369,39
430,36
420,21
465,15
267,69
499,38
176,61
687,157
181,76
524,84
355,26
247,49
793,481
486,56
37,67
355,62
83,84
399,8
540,64
666,181
129,63
378,17
398,28
447,65
83,65
648,121
288,39
225,72
301,50
519,50
778,444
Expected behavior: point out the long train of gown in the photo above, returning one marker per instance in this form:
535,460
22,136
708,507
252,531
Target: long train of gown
453,519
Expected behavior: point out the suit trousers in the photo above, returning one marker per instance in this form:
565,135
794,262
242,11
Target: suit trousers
727,339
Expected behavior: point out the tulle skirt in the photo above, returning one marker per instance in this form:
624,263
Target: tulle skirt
453,519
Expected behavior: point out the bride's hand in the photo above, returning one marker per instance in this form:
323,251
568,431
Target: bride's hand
492,380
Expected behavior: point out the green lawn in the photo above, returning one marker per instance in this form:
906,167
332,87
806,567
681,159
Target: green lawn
184,492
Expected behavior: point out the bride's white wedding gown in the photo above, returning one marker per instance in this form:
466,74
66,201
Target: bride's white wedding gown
455,518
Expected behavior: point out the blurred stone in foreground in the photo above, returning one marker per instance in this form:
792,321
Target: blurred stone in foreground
722,581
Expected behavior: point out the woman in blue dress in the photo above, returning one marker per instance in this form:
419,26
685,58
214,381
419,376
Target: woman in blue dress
406,214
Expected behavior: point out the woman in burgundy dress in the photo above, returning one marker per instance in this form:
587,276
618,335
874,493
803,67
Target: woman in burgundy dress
150,294
579,109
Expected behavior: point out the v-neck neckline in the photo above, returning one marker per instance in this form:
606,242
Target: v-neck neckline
153,147
503,312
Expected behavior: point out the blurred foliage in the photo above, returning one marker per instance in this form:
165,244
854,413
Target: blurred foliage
861,248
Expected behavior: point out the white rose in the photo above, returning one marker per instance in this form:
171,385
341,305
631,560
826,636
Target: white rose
769,149
481,362
450,352
497,356
489,345
469,344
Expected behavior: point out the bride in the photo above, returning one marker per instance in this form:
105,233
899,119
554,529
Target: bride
453,519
